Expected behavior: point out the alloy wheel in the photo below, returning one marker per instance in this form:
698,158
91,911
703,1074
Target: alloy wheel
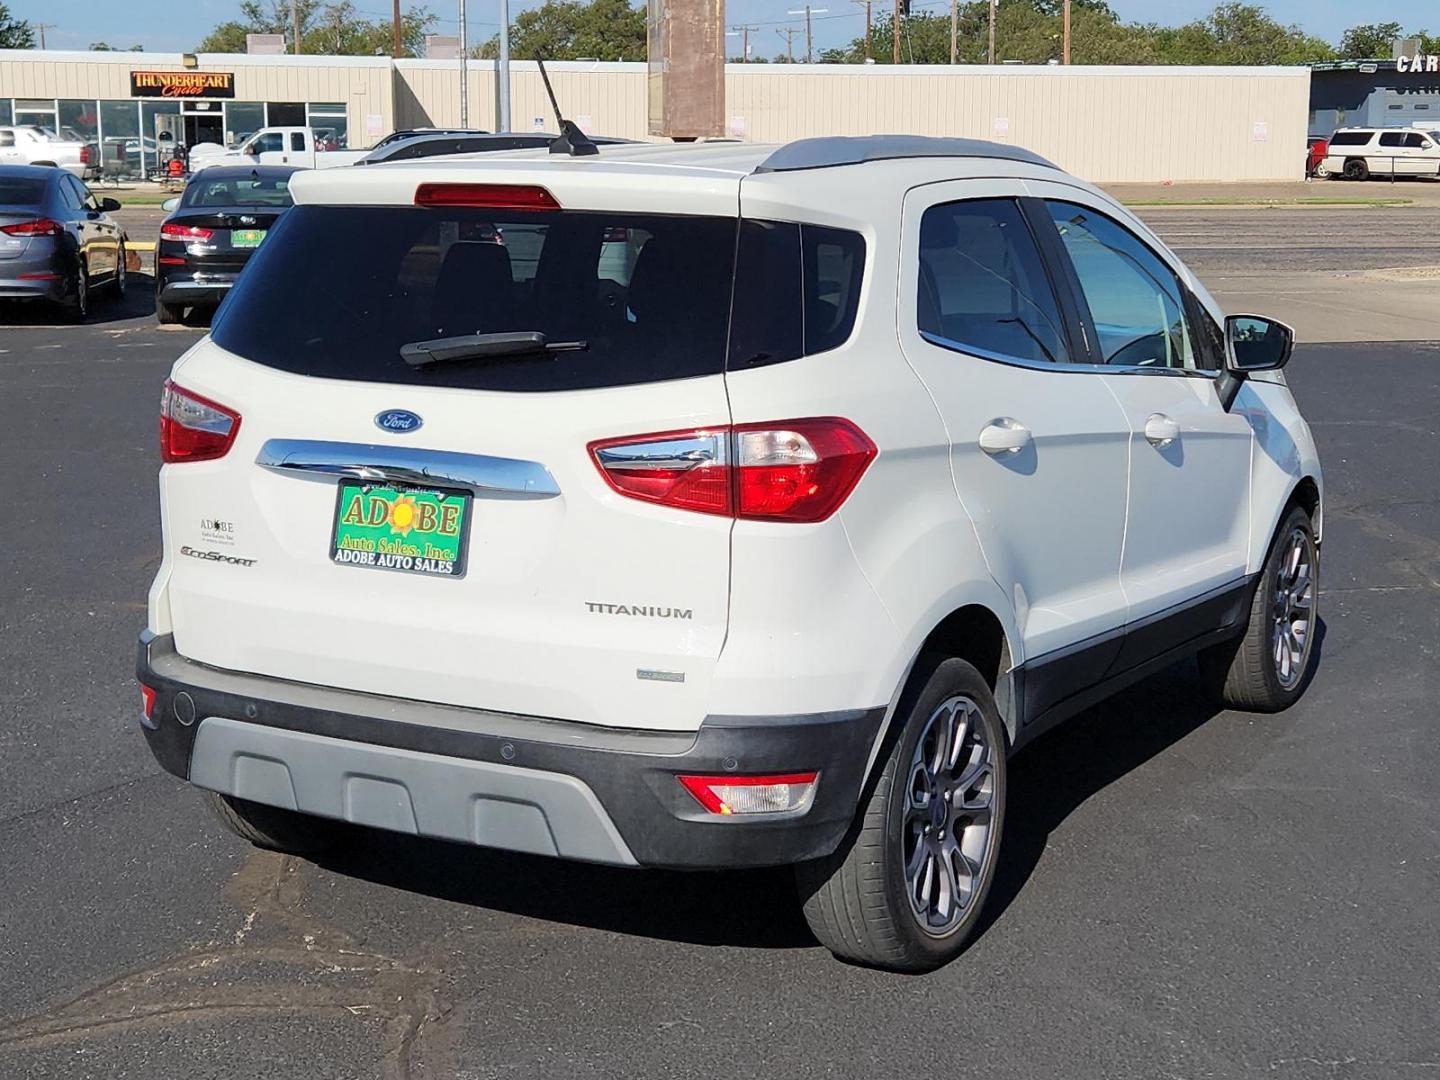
1292,611
949,813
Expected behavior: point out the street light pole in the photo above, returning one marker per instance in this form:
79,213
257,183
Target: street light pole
895,35
395,44
1067,32
295,25
992,31
464,73
502,98
954,27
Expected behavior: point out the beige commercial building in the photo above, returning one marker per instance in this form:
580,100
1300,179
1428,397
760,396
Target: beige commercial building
1104,123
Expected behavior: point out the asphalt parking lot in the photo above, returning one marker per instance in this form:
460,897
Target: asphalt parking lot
1183,893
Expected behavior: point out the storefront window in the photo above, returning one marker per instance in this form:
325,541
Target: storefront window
332,130
79,120
120,139
37,111
7,115
149,111
243,119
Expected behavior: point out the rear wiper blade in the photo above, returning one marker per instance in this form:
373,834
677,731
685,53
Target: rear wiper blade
485,347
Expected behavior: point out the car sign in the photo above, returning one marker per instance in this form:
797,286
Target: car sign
398,421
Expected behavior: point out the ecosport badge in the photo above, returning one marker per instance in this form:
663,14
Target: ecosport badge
398,421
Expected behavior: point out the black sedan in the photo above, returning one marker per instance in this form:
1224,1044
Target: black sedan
212,231
57,240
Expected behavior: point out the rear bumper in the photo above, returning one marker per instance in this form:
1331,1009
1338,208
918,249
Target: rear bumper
179,290
32,289
520,783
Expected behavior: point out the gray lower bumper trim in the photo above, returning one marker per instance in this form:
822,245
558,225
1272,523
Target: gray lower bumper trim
406,791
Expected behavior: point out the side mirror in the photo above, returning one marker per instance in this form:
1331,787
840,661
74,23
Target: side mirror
1256,344
108,204
171,204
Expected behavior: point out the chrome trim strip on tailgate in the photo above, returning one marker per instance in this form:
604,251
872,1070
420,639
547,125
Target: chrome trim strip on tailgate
497,477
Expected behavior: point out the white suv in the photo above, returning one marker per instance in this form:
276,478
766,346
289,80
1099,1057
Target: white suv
1360,153
712,506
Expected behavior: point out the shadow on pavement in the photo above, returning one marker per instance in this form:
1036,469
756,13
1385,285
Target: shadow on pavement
760,908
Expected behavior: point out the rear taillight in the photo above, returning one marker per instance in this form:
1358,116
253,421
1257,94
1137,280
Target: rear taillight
752,794
174,231
84,155
38,227
784,470
193,428
489,196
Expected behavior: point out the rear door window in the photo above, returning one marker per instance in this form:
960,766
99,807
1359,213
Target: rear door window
336,291
983,287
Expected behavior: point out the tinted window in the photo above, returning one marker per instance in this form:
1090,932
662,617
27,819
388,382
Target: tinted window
268,143
336,291
20,191
1392,138
71,193
238,191
1415,139
1136,303
833,262
982,284
1350,138
297,140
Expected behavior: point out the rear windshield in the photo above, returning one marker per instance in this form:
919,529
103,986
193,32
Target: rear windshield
21,191
335,292
271,191
1350,138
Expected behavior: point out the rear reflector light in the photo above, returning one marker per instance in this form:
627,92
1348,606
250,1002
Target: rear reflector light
38,227
193,428
171,260
752,794
147,700
38,277
175,231
489,196
784,470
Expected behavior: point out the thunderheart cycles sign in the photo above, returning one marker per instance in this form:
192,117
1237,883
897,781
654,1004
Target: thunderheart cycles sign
182,84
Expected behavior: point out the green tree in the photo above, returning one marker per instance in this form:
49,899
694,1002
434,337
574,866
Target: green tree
334,27
15,33
570,30
1236,33
1369,40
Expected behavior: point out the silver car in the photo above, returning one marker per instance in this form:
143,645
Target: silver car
57,240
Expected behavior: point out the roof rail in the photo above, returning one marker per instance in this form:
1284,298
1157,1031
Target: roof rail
832,150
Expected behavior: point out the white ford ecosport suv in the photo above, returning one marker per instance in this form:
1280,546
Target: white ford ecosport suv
712,506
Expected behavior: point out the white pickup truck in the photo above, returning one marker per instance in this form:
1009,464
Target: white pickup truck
27,144
275,146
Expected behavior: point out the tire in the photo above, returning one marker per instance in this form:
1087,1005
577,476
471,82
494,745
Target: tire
1321,172
869,902
118,287
1262,670
167,314
273,828
1357,169
77,305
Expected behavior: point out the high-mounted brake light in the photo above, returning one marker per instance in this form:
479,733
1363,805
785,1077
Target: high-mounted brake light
39,227
173,230
193,428
487,196
783,470
752,794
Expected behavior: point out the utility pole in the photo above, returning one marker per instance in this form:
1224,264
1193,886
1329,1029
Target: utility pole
744,33
954,29
895,34
809,37
464,72
1066,60
295,24
502,98
788,33
42,27
395,45
992,31
866,5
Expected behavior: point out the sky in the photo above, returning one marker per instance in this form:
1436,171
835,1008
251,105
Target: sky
177,25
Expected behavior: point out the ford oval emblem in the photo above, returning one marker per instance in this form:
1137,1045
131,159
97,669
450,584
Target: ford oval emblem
398,421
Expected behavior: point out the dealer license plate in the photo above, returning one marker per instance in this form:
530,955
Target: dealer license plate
415,530
246,238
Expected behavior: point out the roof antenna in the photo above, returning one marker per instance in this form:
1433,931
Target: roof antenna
571,139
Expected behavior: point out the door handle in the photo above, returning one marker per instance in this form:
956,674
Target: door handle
1161,430
1004,436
